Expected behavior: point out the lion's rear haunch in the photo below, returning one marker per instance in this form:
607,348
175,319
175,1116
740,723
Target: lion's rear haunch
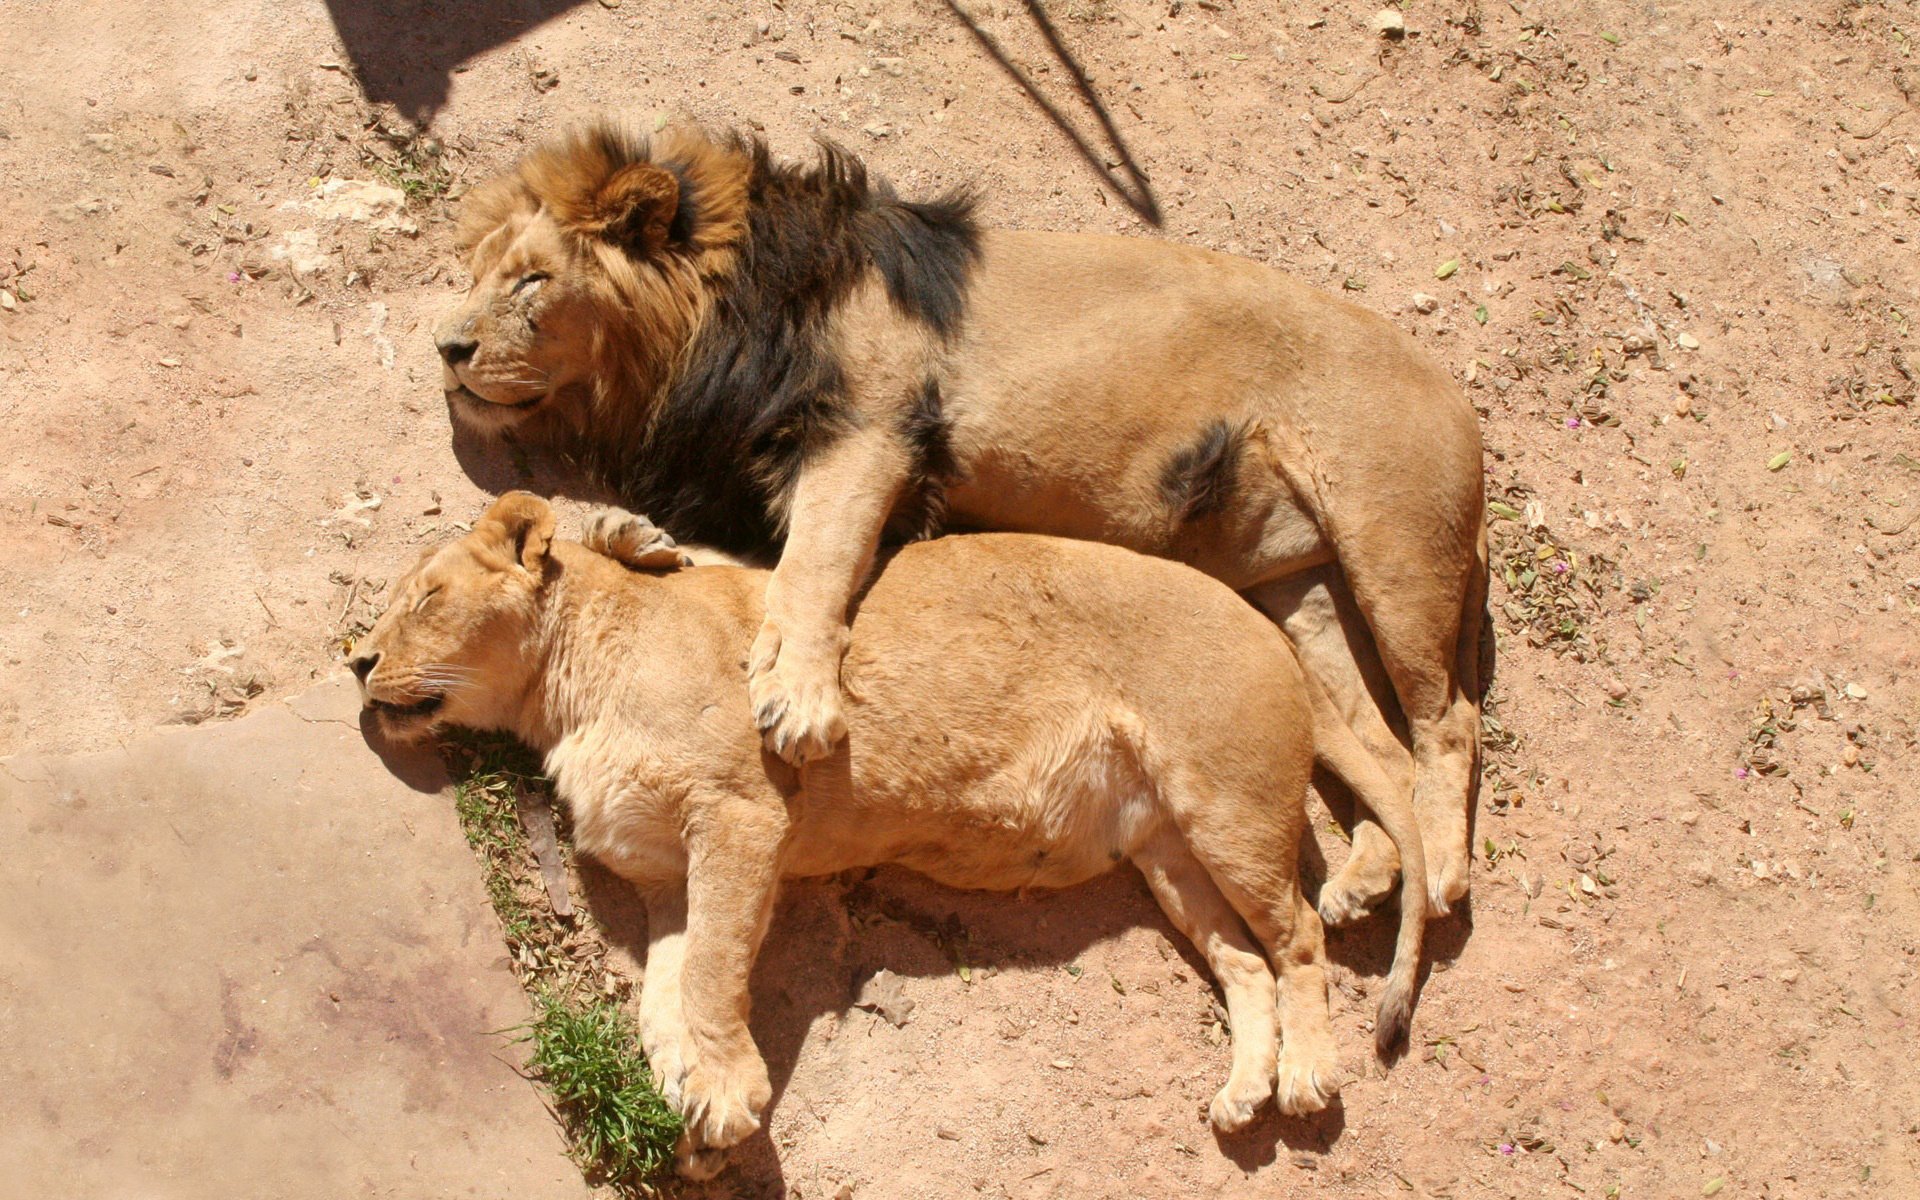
715,375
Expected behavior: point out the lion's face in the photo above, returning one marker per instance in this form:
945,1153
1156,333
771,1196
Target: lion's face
587,260
521,341
456,644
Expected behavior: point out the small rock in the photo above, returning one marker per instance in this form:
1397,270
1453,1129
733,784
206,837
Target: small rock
250,74
1687,341
1424,303
1615,689
879,130
946,1133
1389,23
1682,406
845,1192
6,300
1856,692
1617,1131
1636,343
609,3
1851,755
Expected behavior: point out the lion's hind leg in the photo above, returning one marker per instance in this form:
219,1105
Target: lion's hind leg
1198,910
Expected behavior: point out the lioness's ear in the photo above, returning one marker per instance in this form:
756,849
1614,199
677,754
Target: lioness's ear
634,207
517,528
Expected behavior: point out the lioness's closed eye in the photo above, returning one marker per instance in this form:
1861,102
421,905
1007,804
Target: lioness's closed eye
1023,712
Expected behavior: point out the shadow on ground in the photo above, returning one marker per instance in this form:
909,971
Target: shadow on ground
405,52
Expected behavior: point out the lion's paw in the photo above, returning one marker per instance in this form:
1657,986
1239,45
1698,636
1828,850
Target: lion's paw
1308,1078
797,709
1446,881
1353,892
632,539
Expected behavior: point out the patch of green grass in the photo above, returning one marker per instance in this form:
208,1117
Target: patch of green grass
410,161
588,1055
585,1050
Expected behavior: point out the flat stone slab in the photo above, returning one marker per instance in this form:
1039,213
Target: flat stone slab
252,959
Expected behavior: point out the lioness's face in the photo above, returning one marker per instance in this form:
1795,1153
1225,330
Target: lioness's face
456,645
522,336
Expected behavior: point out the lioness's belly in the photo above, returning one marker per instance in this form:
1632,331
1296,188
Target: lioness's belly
1047,819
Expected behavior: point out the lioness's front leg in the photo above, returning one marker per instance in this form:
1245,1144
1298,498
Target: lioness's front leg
733,849
663,1026
840,505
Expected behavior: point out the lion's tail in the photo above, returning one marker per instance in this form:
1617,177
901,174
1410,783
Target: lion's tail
1337,748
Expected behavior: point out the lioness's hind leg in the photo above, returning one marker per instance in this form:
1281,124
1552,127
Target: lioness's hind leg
1251,851
1198,910
632,539
1308,1077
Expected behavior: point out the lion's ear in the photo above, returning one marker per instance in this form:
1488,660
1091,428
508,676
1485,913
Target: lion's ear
634,207
517,530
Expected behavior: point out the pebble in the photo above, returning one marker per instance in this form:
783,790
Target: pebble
1424,303
1617,1131
1682,406
946,1133
1688,342
6,300
1389,23
1615,689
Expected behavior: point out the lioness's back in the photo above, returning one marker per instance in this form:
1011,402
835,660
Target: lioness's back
997,620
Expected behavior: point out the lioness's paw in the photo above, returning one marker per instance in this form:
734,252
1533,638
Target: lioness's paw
632,539
722,1106
1234,1105
697,1163
669,1063
1308,1079
796,707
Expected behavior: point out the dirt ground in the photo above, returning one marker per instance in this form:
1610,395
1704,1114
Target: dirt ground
1669,249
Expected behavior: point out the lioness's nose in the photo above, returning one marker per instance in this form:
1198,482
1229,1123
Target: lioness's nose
456,348
362,665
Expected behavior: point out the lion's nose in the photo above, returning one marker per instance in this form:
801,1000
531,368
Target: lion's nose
362,665
456,349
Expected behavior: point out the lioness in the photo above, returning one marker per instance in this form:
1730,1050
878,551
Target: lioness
763,355
1022,712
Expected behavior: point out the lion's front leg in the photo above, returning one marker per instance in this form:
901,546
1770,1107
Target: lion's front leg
840,505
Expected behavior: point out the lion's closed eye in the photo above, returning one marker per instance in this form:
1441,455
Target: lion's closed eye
528,284
422,601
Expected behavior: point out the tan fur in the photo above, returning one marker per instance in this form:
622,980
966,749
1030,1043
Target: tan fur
1080,368
1022,712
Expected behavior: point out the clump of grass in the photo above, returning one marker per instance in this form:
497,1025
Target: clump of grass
410,161
585,1050
588,1055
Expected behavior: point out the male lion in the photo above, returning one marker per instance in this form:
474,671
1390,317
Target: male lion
768,356
1021,712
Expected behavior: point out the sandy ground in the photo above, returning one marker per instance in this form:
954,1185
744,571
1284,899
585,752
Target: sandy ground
1669,249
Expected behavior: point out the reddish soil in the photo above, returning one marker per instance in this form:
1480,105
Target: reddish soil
1669,250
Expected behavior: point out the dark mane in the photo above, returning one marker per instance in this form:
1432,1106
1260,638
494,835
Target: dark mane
759,387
